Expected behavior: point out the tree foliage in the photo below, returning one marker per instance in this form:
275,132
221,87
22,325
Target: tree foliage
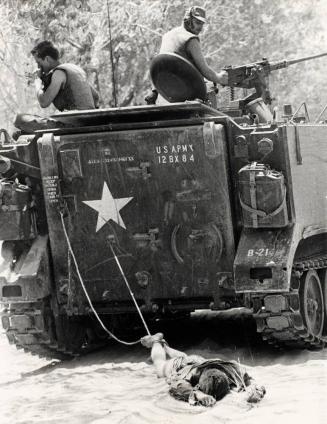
239,31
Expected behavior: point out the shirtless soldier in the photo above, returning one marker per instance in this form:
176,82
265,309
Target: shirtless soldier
62,84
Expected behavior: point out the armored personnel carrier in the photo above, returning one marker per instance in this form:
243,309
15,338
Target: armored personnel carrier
180,206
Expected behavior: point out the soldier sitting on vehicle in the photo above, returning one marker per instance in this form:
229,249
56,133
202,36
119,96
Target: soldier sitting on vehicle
184,41
196,380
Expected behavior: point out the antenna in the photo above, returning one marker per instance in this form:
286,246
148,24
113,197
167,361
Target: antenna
113,79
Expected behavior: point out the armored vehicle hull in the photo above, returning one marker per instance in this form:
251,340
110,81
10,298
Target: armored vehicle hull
181,207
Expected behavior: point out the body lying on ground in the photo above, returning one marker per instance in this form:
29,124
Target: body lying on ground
197,380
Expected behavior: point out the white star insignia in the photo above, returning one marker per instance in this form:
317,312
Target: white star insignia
108,207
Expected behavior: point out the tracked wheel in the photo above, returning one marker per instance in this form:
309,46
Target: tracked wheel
33,327
297,318
312,303
323,280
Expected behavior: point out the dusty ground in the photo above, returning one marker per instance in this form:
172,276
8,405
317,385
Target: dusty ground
118,384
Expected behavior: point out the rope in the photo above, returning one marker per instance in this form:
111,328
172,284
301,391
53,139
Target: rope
130,291
85,291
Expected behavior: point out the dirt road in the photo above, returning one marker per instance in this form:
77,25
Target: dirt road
118,384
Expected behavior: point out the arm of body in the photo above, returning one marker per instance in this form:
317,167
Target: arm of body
203,398
183,390
253,392
194,49
46,97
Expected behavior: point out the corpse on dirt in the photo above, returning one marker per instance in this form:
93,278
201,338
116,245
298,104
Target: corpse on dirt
196,380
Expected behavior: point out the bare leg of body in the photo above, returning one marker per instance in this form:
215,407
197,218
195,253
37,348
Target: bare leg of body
159,352
173,353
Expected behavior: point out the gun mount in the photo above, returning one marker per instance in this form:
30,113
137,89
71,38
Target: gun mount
256,75
178,80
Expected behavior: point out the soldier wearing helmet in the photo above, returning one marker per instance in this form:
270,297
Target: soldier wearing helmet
184,41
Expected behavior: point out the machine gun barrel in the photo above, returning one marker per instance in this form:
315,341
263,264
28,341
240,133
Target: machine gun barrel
285,63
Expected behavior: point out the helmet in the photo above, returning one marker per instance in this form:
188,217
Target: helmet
198,13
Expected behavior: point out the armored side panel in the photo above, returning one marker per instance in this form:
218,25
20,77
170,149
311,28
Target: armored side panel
156,197
264,257
308,163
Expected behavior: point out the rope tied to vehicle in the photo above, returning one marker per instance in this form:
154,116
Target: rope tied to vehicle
87,295
128,286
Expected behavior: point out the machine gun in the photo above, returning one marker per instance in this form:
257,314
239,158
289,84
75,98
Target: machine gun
255,75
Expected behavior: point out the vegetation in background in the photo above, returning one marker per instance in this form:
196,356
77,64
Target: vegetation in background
239,31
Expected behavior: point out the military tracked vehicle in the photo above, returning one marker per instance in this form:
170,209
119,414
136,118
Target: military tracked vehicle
195,207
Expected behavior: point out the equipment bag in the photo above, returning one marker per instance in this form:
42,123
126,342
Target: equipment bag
17,218
262,195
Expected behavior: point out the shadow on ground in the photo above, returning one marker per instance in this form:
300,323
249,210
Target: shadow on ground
228,335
